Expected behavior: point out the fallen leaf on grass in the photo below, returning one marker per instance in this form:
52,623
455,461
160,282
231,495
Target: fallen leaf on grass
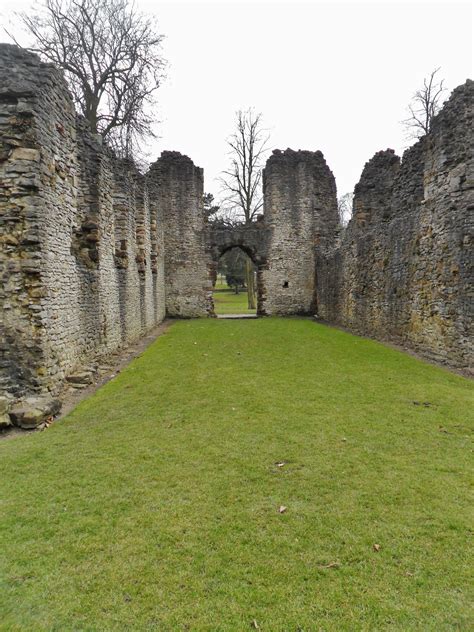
255,625
282,509
376,547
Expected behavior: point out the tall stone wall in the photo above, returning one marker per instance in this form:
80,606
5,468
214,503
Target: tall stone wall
82,259
187,257
94,253
404,268
300,214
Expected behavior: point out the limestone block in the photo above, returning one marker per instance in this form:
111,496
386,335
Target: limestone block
24,153
33,411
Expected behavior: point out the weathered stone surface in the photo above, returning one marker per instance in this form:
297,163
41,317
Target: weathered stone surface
299,221
300,213
82,377
404,270
4,405
5,421
187,261
93,253
65,204
33,411
24,153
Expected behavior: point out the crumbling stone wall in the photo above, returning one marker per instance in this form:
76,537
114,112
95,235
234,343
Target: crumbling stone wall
94,253
187,258
82,256
300,213
404,268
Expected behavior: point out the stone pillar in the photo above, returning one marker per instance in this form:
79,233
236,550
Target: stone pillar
188,287
300,210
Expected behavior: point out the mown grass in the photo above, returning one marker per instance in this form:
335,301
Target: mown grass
154,504
226,301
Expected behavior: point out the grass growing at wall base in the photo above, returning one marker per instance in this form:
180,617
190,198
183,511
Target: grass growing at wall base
155,504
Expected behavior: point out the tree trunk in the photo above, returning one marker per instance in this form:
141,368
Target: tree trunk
250,285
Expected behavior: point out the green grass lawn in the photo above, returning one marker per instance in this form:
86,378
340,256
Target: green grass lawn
155,504
226,301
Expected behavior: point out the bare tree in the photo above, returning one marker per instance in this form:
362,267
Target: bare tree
242,182
344,207
210,208
425,104
111,56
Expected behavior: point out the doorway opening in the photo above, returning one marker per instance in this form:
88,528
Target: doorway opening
235,285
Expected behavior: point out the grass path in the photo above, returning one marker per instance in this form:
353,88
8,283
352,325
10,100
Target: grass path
226,301
154,505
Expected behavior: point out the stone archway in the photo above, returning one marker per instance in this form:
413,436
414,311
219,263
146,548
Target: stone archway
252,239
299,223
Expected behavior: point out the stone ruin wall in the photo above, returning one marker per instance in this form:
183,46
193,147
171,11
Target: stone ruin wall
300,214
404,268
81,262
94,253
187,256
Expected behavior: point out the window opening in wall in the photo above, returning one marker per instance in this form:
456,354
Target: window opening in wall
285,284
234,291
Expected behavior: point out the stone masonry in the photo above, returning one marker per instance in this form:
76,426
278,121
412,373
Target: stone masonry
404,268
82,256
300,211
187,263
94,253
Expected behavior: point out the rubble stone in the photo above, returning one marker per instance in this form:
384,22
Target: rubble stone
33,411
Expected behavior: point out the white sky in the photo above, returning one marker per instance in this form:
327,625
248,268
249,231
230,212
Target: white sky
330,76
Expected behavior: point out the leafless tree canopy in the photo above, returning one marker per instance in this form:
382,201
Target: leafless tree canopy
111,56
425,104
344,207
242,182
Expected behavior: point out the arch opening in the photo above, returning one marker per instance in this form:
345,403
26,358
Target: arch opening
235,283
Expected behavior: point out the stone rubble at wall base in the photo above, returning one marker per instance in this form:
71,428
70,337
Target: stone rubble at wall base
94,254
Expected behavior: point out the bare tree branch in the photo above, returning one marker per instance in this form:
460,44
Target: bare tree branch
111,56
425,104
344,207
241,182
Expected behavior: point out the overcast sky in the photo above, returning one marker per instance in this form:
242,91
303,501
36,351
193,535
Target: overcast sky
330,76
